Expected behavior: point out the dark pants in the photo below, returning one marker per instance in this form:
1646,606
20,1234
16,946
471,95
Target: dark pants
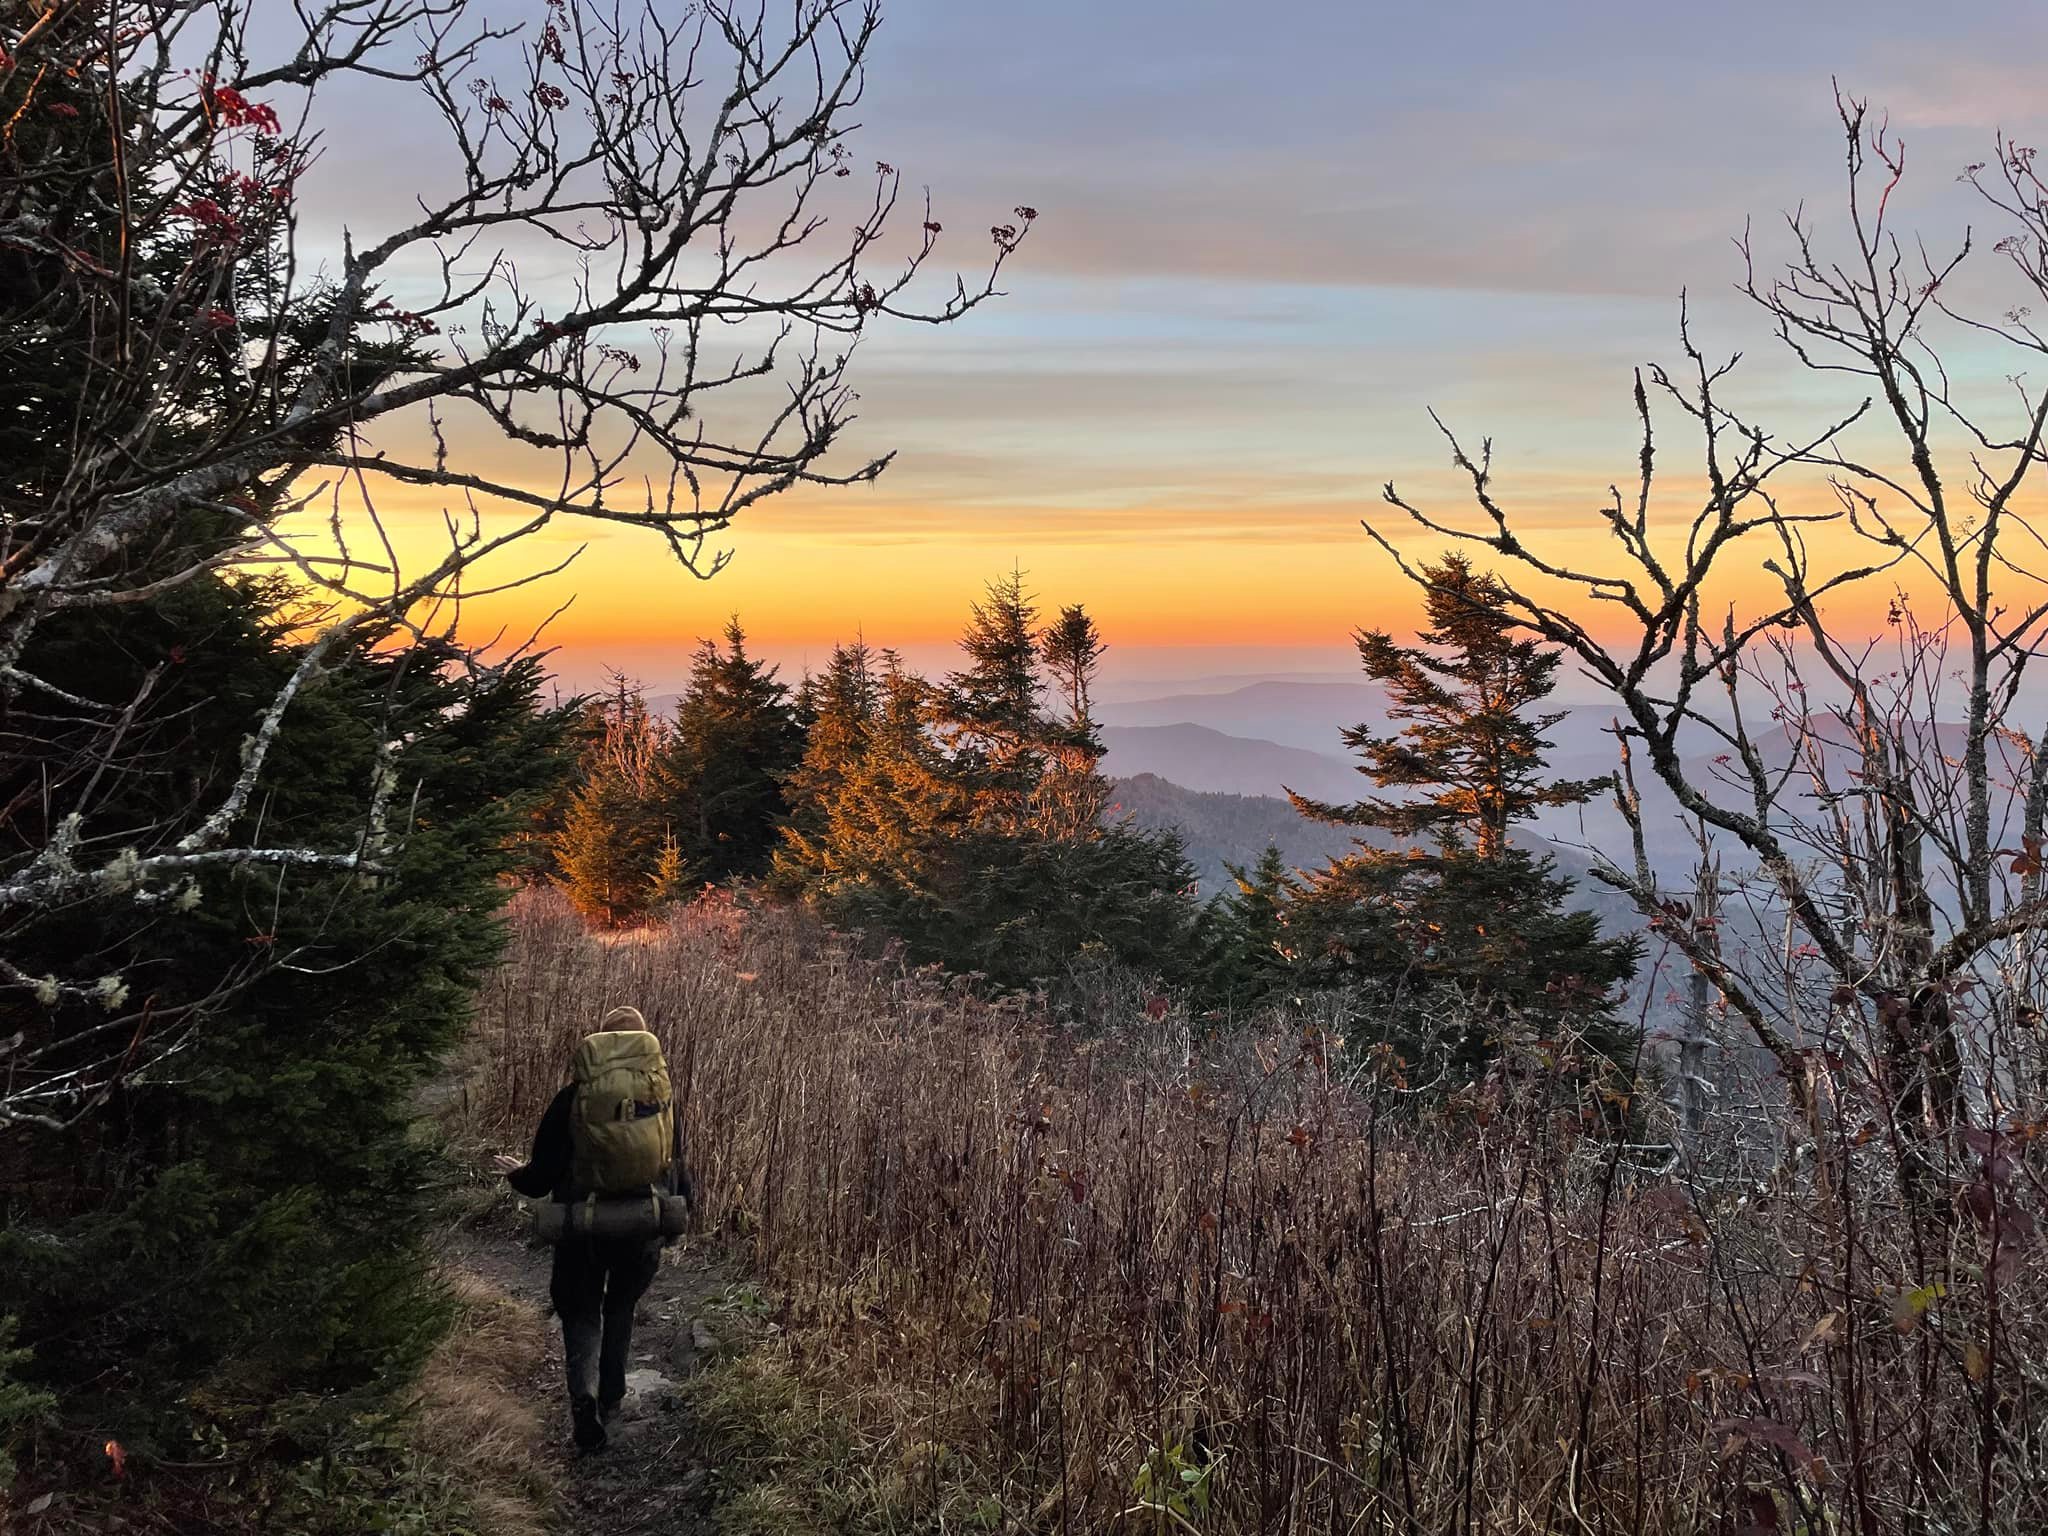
595,1285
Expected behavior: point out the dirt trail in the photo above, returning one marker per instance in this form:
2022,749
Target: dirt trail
649,1478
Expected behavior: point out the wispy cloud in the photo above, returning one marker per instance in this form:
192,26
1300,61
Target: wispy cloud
1270,241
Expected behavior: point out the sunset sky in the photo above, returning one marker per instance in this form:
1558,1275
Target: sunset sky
1271,237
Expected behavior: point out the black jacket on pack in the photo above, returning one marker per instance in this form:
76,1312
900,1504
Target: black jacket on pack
547,1166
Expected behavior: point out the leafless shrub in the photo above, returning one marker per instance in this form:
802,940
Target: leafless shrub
1871,807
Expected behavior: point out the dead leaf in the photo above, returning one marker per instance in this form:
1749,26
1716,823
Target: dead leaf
1780,1437
1823,1331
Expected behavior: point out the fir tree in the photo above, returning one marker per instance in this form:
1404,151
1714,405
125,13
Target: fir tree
672,880
1461,956
1072,649
1072,796
803,703
243,1240
969,823
1039,878
231,1235
900,818
843,704
535,846
1029,906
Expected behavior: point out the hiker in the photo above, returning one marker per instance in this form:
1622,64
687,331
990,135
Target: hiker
606,1151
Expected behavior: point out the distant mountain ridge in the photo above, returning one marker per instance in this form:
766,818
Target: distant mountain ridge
1226,829
1306,716
1209,761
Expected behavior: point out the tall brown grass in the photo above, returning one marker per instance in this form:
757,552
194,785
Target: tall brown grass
1250,1287
475,1422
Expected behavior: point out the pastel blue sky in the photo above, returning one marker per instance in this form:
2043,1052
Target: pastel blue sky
1270,238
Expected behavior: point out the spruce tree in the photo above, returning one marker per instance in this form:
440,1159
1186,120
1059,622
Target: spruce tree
1038,880
1072,649
672,880
609,847
803,702
1244,962
988,712
1464,937
535,846
719,775
239,1249
1072,796
843,705
899,821
228,1239
1473,739
969,822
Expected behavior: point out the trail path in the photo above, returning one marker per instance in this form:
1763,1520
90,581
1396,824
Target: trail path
649,1478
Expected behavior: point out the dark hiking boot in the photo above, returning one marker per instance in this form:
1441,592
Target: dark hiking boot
608,1408
587,1427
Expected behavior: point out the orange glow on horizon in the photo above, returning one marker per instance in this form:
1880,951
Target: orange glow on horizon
809,572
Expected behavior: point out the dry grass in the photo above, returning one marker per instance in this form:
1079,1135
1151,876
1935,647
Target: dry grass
812,1431
477,1422
1093,1284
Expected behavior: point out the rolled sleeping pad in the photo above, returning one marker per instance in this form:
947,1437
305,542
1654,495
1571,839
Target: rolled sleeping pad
628,1216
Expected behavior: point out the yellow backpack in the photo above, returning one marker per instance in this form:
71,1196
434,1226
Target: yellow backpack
622,1127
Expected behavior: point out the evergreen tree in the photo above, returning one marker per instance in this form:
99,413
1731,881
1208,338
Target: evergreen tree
843,705
535,847
1470,740
1037,879
1460,956
1072,797
1466,938
1072,649
239,1246
965,820
609,848
672,881
803,703
720,772
1028,907
1244,933
229,1238
897,822
988,711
